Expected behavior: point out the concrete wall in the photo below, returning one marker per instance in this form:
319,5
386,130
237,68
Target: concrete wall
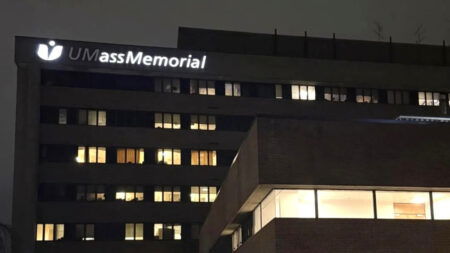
341,235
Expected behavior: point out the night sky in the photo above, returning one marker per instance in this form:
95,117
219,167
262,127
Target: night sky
155,23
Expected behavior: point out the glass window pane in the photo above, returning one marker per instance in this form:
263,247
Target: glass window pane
100,195
195,194
129,196
193,86
398,97
422,100
441,205
374,96
194,122
176,194
311,93
82,117
343,94
90,232
102,118
345,204
194,157
158,231
167,196
212,193
92,154
177,232
403,205
59,231
202,89
167,120
81,155
303,92
237,90
278,91
48,232
257,219
158,120
81,192
228,89
203,157
167,85
211,122
295,203
129,231
79,232
120,155
158,196
141,156
203,194
335,94
101,155
176,121
90,196
158,84
160,155
177,157
92,117
203,122
120,195
175,85
295,92
327,94
359,96
211,88
268,209
436,97
390,97
406,98
429,98
212,158
139,234
131,155
62,119
168,156
39,232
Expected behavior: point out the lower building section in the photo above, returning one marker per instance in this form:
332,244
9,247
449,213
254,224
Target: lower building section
287,235
117,247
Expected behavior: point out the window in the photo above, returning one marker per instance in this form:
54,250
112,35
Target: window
90,192
85,232
134,231
167,85
429,98
130,193
398,97
49,232
232,89
167,120
441,205
367,96
202,87
62,118
257,219
163,231
203,122
303,92
167,194
403,205
130,155
92,117
204,157
236,239
203,193
335,94
168,156
345,204
93,154
278,91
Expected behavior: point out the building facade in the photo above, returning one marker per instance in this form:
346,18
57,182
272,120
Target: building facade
123,148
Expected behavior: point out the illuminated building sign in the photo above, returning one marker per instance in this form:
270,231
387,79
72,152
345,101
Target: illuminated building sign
53,52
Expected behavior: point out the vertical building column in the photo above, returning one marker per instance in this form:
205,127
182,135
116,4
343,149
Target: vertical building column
26,159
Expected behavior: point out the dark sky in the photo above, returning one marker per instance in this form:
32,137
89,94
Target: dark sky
155,23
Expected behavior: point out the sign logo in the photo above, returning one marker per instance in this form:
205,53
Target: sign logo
49,52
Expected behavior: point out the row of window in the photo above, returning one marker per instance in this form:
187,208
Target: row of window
52,192
48,232
279,91
167,156
162,120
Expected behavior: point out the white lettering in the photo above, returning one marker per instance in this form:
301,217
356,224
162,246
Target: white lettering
160,61
134,60
174,62
147,60
104,57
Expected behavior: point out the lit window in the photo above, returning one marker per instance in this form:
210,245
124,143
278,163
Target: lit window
203,122
203,193
167,120
303,92
403,205
167,85
130,155
441,205
429,98
257,219
345,204
168,156
398,97
367,96
92,117
163,231
130,193
202,87
62,118
85,232
335,94
278,91
94,155
90,192
236,239
134,231
167,194
49,232
232,89
204,157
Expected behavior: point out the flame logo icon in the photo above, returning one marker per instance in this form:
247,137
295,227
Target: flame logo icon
49,52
